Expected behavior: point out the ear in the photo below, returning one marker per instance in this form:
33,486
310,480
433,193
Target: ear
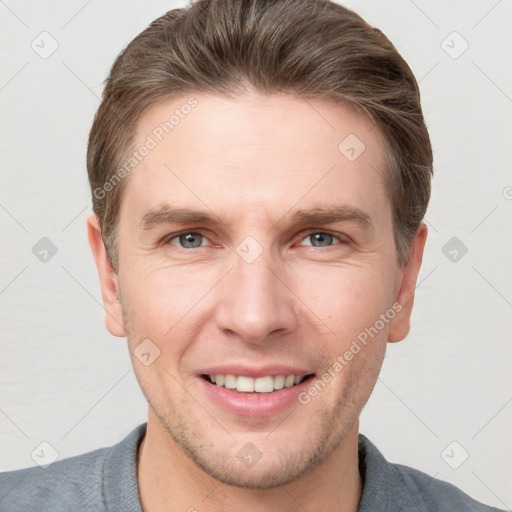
401,323
108,279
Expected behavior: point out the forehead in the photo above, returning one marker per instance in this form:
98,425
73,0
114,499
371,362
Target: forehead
256,153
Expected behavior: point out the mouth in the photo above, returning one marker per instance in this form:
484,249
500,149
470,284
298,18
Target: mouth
261,385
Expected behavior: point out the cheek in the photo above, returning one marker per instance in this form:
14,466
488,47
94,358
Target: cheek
158,299
157,304
348,300
164,306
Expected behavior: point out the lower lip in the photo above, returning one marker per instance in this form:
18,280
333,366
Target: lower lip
254,404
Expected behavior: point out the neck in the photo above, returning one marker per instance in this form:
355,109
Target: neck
169,481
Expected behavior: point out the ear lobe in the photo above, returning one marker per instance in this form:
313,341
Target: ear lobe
400,325
108,279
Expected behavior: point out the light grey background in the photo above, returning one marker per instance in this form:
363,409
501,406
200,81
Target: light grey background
66,381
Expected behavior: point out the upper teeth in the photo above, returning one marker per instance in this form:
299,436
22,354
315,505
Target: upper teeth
260,385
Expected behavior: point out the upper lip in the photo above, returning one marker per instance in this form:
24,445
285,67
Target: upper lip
251,371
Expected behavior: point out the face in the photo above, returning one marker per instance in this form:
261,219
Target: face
256,250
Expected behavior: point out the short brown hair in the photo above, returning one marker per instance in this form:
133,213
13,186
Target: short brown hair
308,48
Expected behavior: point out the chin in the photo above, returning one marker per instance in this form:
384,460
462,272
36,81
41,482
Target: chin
264,462
268,475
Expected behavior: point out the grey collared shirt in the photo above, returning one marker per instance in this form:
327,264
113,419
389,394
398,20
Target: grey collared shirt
105,480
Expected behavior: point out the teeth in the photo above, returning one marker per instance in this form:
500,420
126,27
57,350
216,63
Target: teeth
279,382
289,381
245,384
229,381
266,384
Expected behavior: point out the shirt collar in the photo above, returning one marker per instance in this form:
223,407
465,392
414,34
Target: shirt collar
120,485
373,468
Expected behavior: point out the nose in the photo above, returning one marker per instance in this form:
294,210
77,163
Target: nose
254,301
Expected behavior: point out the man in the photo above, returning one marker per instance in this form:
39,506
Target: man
260,171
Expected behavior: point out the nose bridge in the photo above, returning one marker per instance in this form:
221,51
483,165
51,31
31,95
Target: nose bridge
254,302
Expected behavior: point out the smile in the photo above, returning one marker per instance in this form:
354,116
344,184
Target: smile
244,384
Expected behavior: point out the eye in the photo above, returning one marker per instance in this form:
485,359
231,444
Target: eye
194,240
323,239
186,240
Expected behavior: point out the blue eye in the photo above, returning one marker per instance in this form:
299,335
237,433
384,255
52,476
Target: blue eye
321,239
188,240
194,240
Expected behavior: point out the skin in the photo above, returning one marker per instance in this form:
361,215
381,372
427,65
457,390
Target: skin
252,161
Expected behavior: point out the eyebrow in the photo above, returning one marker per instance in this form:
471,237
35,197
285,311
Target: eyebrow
167,214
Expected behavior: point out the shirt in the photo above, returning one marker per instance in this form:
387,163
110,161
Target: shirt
105,480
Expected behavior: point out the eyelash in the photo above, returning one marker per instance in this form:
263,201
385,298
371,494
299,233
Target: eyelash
342,238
